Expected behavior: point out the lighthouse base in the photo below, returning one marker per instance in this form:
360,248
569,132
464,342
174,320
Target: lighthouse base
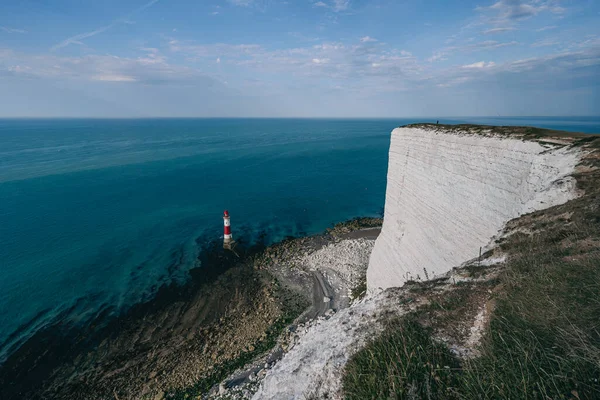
229,244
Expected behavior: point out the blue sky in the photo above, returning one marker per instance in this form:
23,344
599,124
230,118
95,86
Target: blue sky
299,58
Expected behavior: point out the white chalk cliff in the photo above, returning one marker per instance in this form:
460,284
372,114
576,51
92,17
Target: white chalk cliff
450,192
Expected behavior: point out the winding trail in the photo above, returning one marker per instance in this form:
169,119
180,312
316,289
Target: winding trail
324,297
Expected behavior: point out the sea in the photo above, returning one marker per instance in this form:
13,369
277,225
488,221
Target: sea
97,214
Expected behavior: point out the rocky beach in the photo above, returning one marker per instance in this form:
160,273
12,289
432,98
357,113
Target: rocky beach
191,337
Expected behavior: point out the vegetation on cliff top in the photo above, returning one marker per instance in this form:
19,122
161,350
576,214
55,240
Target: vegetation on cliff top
528,132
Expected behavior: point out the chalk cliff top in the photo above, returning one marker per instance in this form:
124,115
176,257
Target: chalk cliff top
524,132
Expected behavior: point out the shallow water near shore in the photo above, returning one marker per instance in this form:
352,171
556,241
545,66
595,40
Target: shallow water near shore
96,215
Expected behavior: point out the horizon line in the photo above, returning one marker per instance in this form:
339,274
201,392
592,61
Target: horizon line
339,118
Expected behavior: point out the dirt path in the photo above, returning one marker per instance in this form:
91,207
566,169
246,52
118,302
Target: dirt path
323,296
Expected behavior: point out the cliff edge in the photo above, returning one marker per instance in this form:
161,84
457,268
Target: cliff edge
451,189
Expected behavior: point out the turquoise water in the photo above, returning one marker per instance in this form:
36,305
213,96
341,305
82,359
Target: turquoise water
96,214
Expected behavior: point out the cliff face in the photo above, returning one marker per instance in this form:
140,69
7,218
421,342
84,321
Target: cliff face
449,192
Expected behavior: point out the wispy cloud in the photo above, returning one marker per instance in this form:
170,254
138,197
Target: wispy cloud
151,68
498,30
78,38
367,39
341,5
12,30
550,70
113,78
334,5
447,52
488,44
125,20
359,66
143,7
302,37
243,3
479,65
503,15
546,28
513,9
453,81
545,43
368,67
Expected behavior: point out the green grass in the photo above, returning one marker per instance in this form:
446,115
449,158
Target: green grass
359,291
543,340
404,362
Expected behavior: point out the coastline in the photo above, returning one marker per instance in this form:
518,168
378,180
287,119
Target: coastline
189,337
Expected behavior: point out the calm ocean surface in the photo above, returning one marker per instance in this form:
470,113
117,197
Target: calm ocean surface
96,214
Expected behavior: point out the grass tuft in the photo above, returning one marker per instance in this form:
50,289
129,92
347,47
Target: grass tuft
404,362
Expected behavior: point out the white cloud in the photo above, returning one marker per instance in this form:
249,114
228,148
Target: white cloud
152,68
498,30
340,5
438,56
243,3
488,44
506,15
334,5
558,61
479,65
446,52
367,39
545,43
514,9
521,9
453,82
11,30
546,28
113,78
17,69
78,38
361,65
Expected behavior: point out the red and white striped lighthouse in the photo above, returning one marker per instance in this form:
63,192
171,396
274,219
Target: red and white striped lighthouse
227,238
